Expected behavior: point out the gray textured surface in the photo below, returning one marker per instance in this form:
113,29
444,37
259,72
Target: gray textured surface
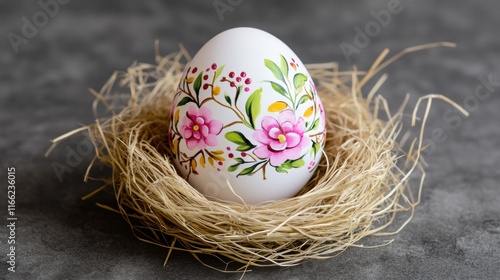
455,233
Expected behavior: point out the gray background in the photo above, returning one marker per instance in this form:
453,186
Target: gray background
44,92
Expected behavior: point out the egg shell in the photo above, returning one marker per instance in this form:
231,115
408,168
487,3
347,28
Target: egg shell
247,124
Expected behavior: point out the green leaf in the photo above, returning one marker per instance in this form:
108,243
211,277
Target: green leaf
233,167
248,170
197,84
284,66
289,164
297,163
299,80
219,71
303,99
252,106
245,148
228,98
315,125
238,91
312,92
315,148
286,165
184,101
274,69
281,169
279,89
239,139
239,160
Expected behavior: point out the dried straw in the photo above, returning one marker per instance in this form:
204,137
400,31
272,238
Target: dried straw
362,182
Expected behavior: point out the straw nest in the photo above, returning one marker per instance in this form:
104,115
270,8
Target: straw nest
361,184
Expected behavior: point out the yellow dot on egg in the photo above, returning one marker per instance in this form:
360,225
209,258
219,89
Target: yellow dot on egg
216,90
196,127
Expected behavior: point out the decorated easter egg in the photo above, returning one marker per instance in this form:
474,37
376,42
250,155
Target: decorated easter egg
247,124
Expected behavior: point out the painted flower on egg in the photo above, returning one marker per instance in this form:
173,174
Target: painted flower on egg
199,129
282,139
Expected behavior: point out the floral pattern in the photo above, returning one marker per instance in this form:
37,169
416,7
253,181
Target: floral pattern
199,129
281,138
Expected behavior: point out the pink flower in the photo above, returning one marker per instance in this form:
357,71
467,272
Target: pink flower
199,129
281,138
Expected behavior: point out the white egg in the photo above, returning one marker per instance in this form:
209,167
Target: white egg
247,124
